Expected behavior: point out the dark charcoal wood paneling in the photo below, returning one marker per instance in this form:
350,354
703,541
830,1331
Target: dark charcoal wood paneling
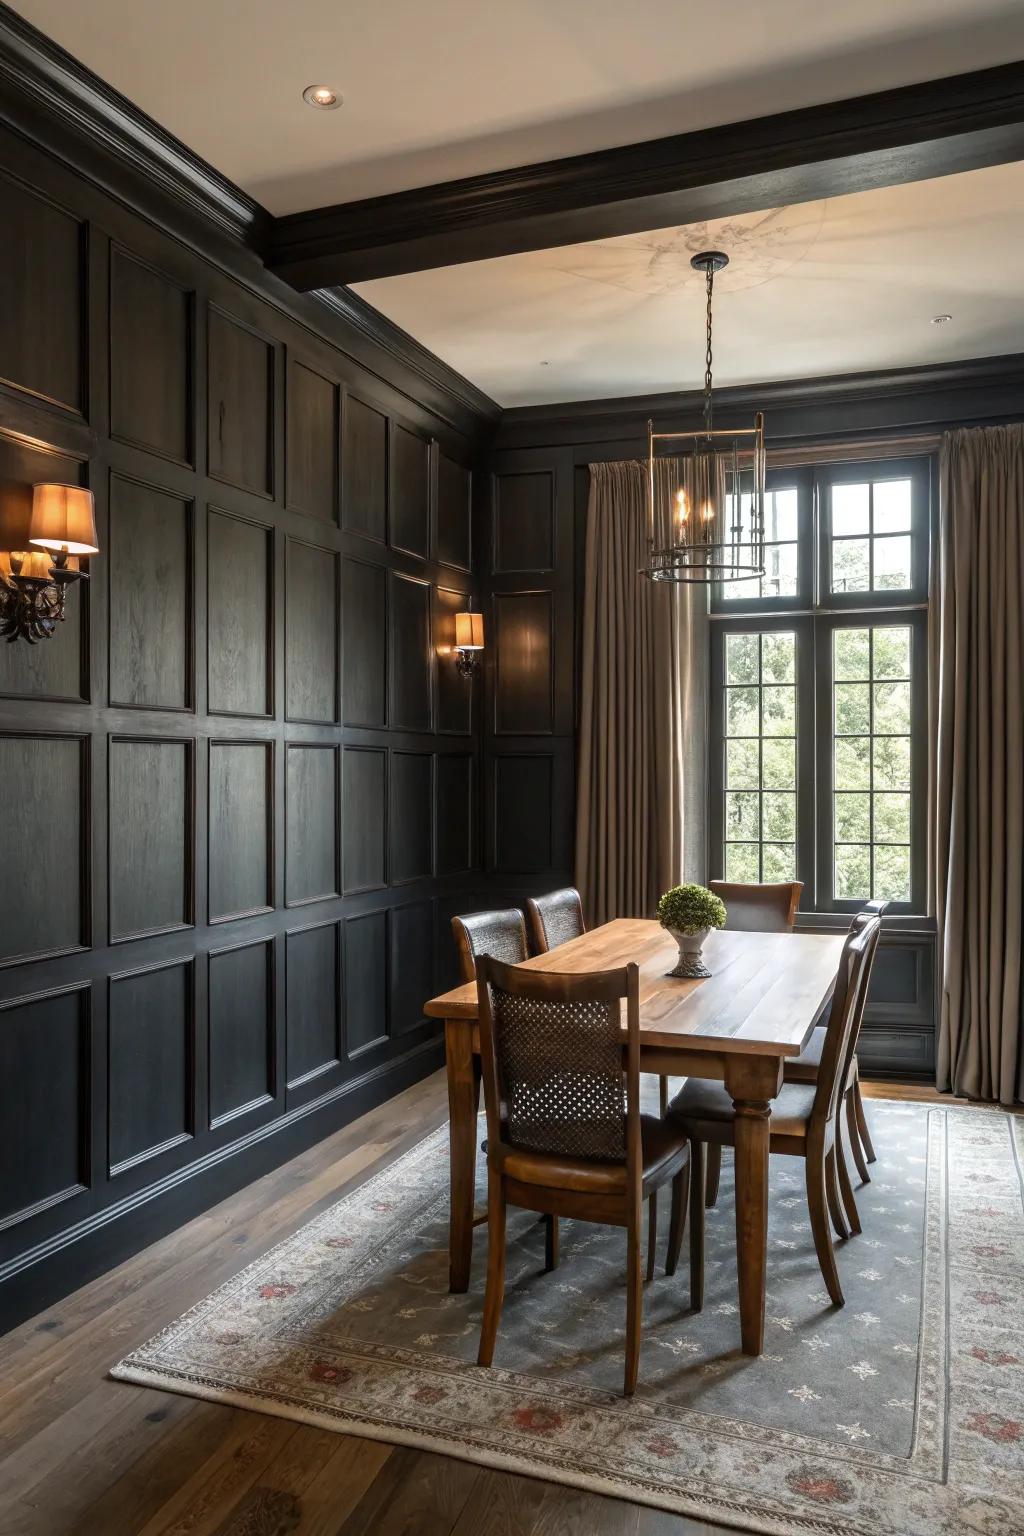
453,513
150,559
366,971
311,633
456,813
364,610
58,669
410,654
523,677
240,422
239,607
363,842
44,1103
43,907
524,522
241,828
150,359
365,470
313,1002
521,813
447,973
411,851
312,462
151,1104
412,965
311,861
454,692
241,1030
151,835
410,492
42,267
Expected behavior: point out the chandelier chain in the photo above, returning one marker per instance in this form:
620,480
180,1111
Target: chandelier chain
710,280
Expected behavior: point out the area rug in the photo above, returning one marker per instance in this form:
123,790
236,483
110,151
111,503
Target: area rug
902,1414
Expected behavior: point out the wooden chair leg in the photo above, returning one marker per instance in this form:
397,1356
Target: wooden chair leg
832,1193
845,1186
550,1243
862,1122
634,1303
697,1151
652,1233
712,1174
663,1094
855,1142
495,1292
816,1205
680,1193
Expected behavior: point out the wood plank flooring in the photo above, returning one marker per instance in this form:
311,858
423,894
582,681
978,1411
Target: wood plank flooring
84,1456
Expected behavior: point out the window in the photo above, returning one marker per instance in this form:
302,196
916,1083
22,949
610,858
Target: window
819,678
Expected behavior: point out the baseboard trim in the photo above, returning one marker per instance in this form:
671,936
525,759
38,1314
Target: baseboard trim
42,1275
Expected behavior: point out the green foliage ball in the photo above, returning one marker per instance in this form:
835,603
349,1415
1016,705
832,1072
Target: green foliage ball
691,908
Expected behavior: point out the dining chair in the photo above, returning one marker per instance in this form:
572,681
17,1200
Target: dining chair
501,933
804,1119
554,919
756,908
804,1069
565,1135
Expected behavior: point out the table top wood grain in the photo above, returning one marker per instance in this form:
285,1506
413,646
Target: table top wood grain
764,996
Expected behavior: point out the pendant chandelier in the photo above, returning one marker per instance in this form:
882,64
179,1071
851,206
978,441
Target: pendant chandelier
711,528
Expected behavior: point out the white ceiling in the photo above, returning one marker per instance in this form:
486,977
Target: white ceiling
827,287
436,89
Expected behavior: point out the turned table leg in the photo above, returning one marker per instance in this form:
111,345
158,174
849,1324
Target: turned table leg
463,1068
752,1083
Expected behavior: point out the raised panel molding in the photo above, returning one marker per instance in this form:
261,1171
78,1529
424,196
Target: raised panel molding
314,1045
239,615
242,1035
411,821
364,461
311,467
412,965
151,349
523,536
366,983
43,280
151,835
409,501
311,633
521,801
44,893
364,646
454,692
240,405
410,653
524,691
456,813
311,824
364,832
241,829
150,562
454,514
150,1063
45,1101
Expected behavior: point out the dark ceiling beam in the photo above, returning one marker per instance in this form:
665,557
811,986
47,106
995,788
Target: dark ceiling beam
909,134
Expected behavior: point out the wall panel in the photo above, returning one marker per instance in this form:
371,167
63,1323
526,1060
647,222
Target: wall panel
365,470
44,890
311,812
43,281
312,462
314,1003
151,1033
364,826
364,607
366,982
150,561
44,1103
241,829
410,653
151,346
242,1062
311,633
240,407
239,615
411,826
151,835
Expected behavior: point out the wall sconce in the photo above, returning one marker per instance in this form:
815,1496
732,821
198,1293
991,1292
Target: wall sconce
43,536
469,642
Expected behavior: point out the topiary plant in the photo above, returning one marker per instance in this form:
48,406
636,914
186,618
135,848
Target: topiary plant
690,909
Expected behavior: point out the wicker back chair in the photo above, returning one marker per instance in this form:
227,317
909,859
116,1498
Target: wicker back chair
767,908
565,1135
555,919
502,934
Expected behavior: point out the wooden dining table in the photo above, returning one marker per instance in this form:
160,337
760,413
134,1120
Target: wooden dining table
764,996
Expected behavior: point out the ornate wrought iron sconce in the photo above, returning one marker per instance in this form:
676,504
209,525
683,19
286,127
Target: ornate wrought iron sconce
45,531
469,642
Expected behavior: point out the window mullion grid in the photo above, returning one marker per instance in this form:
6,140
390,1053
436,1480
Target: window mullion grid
760,755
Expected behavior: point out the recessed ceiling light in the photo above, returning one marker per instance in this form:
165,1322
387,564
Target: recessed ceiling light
544,362
321,96
941,319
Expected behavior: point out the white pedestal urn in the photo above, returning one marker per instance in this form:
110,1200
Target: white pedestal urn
688,913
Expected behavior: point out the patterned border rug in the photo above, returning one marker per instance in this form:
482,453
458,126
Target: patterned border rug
898,1415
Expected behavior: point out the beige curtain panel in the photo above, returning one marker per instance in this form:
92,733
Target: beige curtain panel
978,705
640,807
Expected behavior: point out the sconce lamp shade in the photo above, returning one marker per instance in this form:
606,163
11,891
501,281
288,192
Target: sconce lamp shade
64,519
469,631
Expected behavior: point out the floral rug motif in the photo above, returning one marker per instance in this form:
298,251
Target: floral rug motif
901,1414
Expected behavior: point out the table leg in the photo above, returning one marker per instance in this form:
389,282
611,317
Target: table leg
463,1069
752,1083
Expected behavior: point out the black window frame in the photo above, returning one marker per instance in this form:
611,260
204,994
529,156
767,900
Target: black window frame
814,615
